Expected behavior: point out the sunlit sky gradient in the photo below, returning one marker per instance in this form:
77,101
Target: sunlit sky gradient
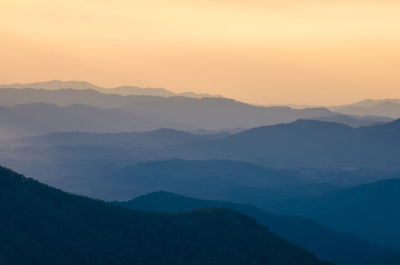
283,51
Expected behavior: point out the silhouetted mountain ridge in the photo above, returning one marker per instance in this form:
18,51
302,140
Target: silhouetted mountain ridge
355,121
371,211
121,90
304,143
383,107
156,139
337,247
205,113
176,112
41,118
43,225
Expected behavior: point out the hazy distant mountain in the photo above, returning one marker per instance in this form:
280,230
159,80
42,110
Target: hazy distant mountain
121,90
222,131
206,113
138,91
101,166
41,118
371,211
156,139
197,95
43,225
304,143
207,179
217,113
356,121
112,173
285,144
327,244
384,107
370,102
53,85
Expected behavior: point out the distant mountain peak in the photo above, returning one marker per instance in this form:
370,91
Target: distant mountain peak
121,90
53,85
310,122
379,107
162,194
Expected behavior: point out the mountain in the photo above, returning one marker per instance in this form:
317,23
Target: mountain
393,259
384,107
156,139
371,211
198,95
138,91
369,102
117,167
102,172
281,144
218,179
355,121
43,225
216,113
327,244
53,85
41,118
204,113
201,111
121,90
304,143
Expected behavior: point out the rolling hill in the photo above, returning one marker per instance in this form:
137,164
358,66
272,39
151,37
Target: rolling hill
43,225
371,211
304,143
336,247
216,179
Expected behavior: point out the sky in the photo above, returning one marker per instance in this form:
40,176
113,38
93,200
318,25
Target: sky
307,52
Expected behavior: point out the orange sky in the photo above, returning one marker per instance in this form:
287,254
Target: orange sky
287,51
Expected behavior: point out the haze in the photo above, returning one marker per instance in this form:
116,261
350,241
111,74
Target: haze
298,52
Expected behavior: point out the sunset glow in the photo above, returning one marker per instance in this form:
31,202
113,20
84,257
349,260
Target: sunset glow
299,52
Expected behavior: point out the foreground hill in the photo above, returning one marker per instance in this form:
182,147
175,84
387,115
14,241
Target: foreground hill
393,259
43,225
371,211
337,247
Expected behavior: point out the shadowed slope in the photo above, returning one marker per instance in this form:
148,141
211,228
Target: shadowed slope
337,247
43,225
304,143
371,211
